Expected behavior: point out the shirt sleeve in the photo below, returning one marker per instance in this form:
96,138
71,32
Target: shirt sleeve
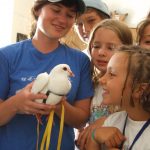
4,77
85,89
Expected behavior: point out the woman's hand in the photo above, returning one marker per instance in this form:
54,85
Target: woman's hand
25,102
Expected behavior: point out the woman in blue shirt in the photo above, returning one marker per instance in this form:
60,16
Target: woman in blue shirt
21,62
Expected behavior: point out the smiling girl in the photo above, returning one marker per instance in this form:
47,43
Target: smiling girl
126,83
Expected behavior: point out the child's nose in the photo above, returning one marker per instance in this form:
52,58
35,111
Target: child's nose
102,51
102,80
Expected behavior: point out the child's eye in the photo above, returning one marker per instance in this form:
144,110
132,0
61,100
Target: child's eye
112,47
96,46
147,42
111,74
71,15
91,21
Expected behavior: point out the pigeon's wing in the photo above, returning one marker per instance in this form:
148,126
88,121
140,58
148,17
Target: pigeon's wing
60,85
40,83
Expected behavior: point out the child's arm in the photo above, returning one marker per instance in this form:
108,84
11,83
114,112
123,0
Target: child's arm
111,137
86,132
92,144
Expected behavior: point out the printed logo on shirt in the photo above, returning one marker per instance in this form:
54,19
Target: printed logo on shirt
25,79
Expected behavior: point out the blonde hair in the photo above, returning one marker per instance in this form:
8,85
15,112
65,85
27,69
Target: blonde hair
122,31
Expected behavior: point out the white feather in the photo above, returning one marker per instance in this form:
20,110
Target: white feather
58,84
40,83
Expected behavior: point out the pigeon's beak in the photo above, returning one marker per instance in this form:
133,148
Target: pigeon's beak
71,74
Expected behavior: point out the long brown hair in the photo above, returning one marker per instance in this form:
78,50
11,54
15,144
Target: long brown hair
139,70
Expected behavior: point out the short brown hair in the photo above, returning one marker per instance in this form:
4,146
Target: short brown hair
140,29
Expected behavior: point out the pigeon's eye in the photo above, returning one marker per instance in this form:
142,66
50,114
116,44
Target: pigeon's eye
65,68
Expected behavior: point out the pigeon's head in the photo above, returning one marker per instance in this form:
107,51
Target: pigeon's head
62,69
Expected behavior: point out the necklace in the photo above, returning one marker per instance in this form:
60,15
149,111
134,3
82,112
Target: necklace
146,124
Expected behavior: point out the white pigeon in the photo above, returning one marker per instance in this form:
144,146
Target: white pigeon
54,85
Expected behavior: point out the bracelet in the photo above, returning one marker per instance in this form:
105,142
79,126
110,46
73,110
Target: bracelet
93,135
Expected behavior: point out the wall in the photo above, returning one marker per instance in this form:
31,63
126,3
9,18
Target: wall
15,15
137,9
22,17
15,18
6,16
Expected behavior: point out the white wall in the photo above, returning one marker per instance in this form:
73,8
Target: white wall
6,17
22,17
15,17
137,9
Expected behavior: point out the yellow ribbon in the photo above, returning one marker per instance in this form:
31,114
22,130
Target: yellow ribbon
47,134
61,127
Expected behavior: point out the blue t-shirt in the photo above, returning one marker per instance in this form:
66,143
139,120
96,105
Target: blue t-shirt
20,63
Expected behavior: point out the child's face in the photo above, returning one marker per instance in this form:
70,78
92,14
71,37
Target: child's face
114,79
145,40
86,23
102,47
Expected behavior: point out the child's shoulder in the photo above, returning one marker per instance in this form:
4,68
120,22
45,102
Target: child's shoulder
115,119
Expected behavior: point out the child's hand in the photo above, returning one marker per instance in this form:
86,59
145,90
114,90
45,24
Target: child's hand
110,136
85,134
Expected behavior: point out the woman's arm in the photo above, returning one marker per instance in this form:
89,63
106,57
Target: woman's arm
7,111
75,115
22,103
